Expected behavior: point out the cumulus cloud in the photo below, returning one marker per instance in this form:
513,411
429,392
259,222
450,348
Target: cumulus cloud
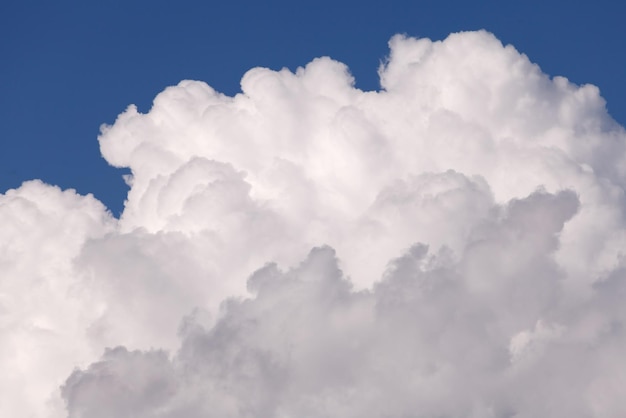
450,245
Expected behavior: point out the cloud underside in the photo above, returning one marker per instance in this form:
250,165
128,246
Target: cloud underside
450,245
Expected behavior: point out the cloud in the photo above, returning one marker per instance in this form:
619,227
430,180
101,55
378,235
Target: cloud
447,246
435,336
43,303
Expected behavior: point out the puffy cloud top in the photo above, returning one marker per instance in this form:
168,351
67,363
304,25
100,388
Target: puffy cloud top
450,245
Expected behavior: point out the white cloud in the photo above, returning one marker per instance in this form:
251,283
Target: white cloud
473,212
42,301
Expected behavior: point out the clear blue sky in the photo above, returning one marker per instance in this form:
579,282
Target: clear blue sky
68,66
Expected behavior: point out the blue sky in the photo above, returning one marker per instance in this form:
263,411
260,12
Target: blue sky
67,67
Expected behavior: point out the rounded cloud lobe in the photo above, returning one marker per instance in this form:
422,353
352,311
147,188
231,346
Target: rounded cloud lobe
447,246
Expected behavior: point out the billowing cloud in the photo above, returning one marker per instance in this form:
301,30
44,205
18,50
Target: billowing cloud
450,245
